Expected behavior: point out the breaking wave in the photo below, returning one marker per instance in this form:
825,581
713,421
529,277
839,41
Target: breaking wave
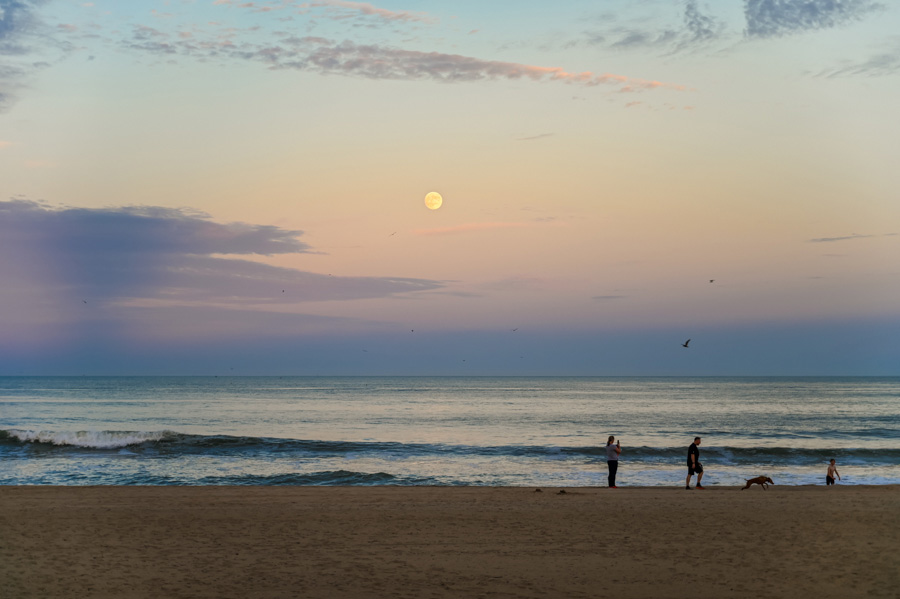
25,443
85,439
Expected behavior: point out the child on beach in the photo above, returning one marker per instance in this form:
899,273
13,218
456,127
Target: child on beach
832,472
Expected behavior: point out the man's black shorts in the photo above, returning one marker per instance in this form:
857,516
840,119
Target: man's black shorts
695,469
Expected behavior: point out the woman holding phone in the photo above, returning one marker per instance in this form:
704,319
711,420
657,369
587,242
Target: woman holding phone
612,459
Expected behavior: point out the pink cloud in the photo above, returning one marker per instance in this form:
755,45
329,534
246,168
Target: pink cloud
465,228
378,62
370,10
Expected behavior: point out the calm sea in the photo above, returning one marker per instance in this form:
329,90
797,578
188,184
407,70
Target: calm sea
443,431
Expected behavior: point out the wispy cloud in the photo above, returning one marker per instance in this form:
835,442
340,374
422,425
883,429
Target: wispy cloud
699,27
17,19
878,65
469,227
533,137
375,61
520,283
696,29
340,9
844,238
775,18
378,62
18,26
279,50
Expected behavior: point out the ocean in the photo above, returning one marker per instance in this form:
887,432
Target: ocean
497,431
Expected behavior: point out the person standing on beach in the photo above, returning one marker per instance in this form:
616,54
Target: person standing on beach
832,472
612,459
694,465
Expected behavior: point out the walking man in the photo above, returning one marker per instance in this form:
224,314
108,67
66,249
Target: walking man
694,465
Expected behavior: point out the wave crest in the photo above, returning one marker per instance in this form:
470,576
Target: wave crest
86,439
169,443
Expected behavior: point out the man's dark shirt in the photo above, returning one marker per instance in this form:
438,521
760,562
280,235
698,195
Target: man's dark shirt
693,449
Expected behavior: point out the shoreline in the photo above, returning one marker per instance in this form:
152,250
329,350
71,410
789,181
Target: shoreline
709,487
428,541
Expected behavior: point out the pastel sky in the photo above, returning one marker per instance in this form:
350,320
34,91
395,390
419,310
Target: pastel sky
227,187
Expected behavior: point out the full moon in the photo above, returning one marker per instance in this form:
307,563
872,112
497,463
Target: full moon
434,200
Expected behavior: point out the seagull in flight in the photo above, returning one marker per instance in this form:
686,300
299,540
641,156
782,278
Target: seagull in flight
685,344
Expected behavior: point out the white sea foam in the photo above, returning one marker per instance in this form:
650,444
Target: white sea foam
89,439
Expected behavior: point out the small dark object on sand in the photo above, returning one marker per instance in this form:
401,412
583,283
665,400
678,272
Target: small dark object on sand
762,481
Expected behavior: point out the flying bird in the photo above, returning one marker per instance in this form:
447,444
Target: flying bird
685,344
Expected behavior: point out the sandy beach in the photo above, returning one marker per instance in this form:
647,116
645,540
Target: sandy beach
420,542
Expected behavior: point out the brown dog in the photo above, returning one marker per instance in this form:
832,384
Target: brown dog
762,481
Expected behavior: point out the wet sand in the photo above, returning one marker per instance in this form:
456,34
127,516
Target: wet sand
420,542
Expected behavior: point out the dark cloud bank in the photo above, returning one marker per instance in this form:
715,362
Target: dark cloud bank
108,255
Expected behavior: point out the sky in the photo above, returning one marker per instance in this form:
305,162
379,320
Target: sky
217,187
